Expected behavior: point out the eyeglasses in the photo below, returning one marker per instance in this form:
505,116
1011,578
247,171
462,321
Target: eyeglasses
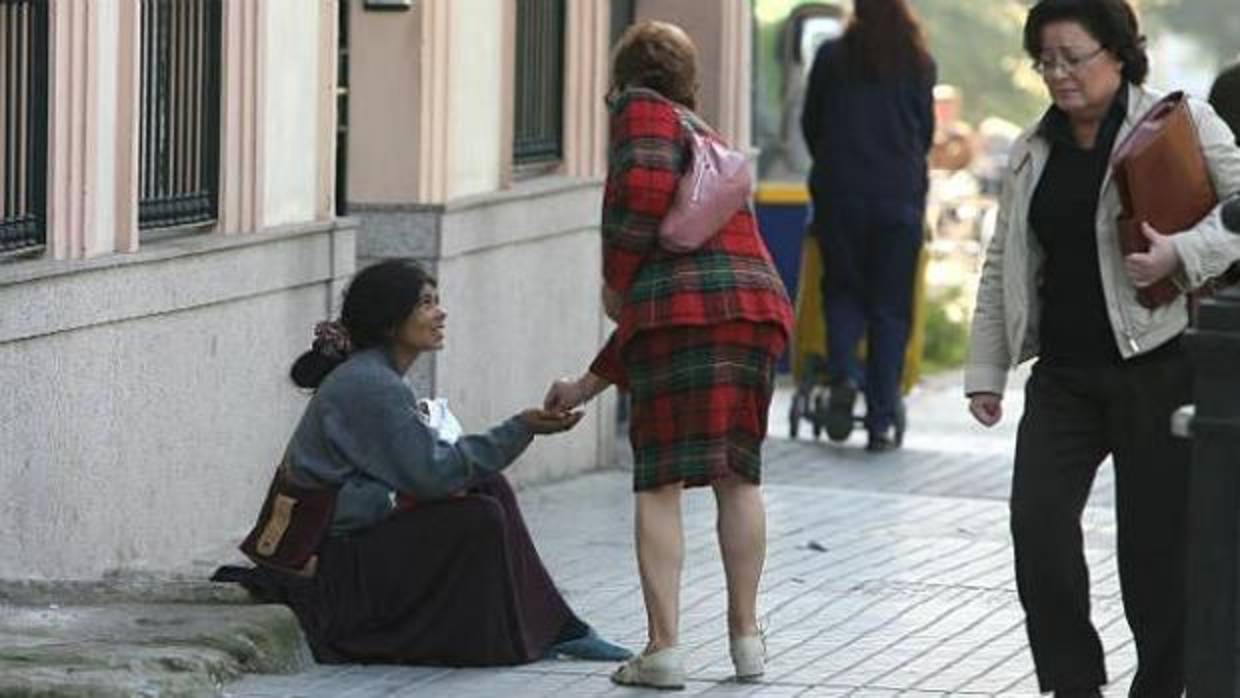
1070,63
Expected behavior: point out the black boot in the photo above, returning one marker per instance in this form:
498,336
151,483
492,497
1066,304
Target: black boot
882,441
840,404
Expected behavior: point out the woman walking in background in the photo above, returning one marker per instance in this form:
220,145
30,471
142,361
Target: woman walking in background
1110,372
869,122
696,342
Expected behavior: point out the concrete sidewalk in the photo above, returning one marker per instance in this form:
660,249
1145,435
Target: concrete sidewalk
886,575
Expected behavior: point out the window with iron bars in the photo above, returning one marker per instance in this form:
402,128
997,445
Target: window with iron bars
538,132
23,124
180,120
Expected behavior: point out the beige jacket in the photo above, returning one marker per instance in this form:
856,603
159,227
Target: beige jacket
1005,323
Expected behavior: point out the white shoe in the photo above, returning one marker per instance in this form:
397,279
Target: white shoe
663,669
748,656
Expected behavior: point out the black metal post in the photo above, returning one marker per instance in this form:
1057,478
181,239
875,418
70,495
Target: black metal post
1214,502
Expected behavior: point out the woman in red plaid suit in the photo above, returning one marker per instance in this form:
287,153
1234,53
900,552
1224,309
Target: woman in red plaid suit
696,342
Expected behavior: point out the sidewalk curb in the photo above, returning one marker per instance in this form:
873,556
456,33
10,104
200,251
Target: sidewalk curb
181,639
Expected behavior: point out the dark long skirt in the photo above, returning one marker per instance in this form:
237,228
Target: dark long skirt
452,583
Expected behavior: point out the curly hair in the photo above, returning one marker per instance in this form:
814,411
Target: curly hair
1112,22
659,56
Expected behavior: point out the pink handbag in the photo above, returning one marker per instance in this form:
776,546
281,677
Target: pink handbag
716,185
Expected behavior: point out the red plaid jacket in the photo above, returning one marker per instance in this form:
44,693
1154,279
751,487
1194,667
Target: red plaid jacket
729,278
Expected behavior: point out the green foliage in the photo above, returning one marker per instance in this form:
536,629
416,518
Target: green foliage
1214,23
947,337
976,43
977,46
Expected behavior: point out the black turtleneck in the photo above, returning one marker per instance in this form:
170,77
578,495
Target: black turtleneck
1075,329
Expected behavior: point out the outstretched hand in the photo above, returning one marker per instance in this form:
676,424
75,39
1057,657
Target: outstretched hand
1155,264
570,393
542,421
564,394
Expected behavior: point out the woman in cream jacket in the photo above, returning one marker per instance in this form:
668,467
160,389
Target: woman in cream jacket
1109,372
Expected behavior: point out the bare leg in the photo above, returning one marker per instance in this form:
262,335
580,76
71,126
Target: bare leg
741,526
660,556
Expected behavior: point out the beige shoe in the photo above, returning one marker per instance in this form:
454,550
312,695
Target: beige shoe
748,656
663,670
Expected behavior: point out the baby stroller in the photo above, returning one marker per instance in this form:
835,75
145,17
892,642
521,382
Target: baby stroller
812,400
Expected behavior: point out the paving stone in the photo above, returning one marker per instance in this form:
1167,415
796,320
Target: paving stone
885,577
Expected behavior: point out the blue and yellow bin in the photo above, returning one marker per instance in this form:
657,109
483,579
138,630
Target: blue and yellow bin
783,213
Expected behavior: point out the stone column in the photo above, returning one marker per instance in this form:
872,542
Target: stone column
585,84
242,96
90,129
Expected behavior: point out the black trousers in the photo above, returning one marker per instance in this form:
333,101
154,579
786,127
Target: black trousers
1074,418
869,262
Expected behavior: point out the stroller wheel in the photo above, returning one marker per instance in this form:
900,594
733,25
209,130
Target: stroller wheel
818,415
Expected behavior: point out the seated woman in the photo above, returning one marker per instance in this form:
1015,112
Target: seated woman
428,560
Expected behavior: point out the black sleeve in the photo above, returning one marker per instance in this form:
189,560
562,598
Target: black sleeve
815,92
926,110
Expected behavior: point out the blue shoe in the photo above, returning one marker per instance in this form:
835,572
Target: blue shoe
591,647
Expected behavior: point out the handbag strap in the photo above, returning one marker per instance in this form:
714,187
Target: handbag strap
687,115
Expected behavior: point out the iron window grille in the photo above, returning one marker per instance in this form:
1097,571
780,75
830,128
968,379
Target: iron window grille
539,116
180,120
23,124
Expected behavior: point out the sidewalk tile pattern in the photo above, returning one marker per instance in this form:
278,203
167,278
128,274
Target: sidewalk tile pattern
886,576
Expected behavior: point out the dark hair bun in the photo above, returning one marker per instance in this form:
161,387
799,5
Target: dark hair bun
312,367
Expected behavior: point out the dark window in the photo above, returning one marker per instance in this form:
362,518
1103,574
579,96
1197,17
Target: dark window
621,18
23,124
180,125
539,128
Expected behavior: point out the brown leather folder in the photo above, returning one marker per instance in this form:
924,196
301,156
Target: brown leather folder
1163,180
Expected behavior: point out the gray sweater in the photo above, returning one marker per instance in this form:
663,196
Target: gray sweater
362,431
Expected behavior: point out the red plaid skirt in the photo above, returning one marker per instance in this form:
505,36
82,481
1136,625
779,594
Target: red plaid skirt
699,401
